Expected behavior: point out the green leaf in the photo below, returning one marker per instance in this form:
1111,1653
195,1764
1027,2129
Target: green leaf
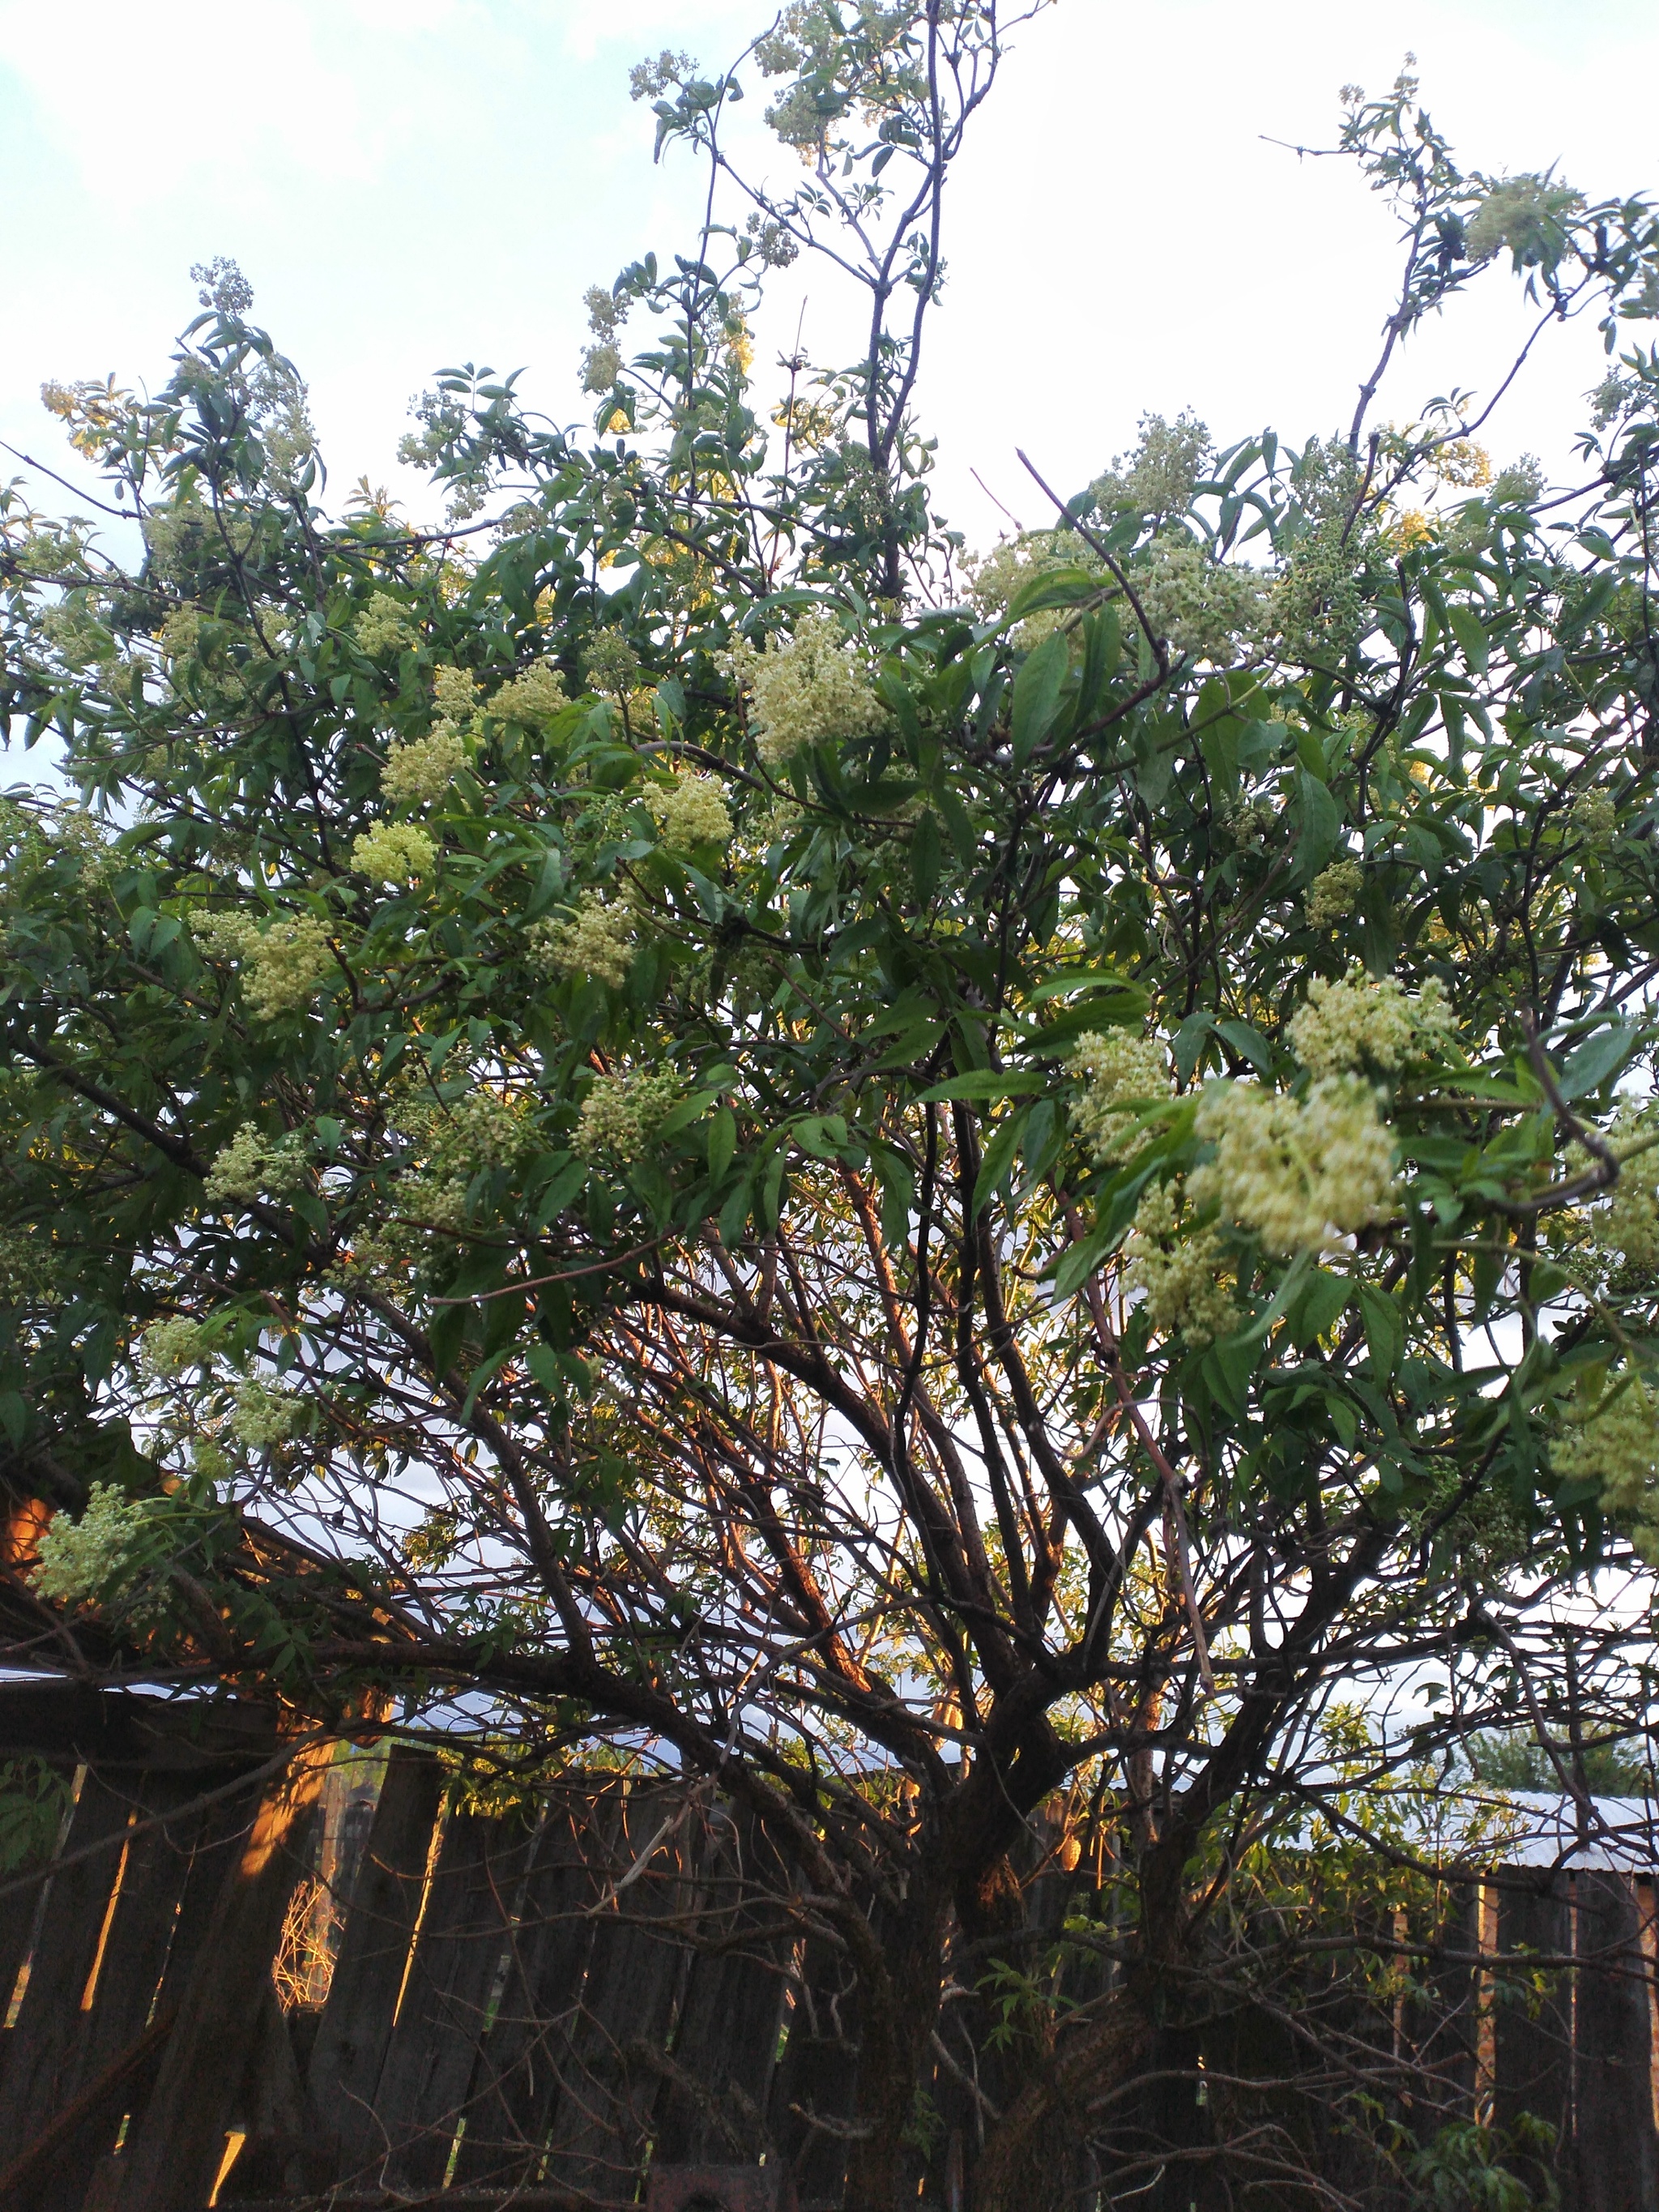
1320,826
1057,587
1249,1044
722,1142
1385,1332
1037,695
998,1159
985,1084
1188,1042
1471,634
1597,1061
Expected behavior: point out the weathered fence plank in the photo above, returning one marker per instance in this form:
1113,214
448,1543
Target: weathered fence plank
1616,2165
362,2005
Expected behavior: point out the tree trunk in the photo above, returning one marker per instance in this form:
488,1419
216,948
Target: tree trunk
1034,2160
899,2007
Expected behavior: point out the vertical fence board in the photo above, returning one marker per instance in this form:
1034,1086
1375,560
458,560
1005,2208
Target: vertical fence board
42,2051
525,2054
1617,2168
429,2069
1533,2074
636,1975
178,2142
362,1999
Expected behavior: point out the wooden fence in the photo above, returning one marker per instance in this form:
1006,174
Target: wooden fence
468,2008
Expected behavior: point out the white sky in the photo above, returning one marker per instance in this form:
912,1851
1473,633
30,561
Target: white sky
412,182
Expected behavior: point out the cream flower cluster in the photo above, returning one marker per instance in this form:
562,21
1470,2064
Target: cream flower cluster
1333,894
535,696
82,1558
282,964
384,625
597,940
420,772
167,1347
1114,1067
250,1163
807,689
262,1416
1358,1023
393,853
621,1113
1614,1443
1302,1174
690,811
1176,1268
456,691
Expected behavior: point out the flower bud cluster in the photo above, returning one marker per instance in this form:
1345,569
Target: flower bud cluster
1614,1443
1358,1023
621,1113
1333,894
596,940
250,1165
1116,1068
1302,1174
262,1416
393,853
420,772
456,691
1176,1268
807,689
384,625
1626,1226
86,1558
282,964
1593,819
690,811
535,696
167,1347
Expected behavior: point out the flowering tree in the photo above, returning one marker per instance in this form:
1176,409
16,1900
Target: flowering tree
930,1197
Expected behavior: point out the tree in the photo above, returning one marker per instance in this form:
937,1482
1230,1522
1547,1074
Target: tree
922,1206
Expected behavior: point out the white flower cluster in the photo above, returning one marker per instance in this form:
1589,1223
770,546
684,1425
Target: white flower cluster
84,1559
393,853
250,1163
1614,1443
420,772
596,940
807,689
621,1113
1358,1023
262,1416
1176,1268
690,811
1333,894
1302,1174
384,625
283,964
1115,1068
456,691
535,696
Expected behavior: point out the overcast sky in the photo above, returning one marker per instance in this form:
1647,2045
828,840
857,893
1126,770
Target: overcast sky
412,182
